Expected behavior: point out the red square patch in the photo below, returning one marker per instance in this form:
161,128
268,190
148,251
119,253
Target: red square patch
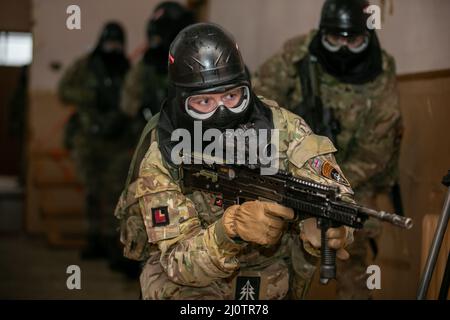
160,216
219,201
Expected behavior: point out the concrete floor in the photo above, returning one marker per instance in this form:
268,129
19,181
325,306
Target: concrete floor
29,269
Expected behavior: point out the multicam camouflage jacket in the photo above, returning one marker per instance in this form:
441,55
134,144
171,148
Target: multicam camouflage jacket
369,115
143,91
77,85
94,92
182,239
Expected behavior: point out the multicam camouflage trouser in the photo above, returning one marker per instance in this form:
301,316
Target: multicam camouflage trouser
352,273
281,278
102,167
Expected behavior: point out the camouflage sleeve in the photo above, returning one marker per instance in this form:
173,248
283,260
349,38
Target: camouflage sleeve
190,255
133,235
278,78
76,85
275,79
378,140
311,157
131,98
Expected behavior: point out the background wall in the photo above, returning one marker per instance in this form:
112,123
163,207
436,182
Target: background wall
53,42
416,33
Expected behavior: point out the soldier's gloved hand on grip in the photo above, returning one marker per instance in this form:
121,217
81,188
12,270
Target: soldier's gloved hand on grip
257,221
338,238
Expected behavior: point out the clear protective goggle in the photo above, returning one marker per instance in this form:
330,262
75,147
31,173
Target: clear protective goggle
203,106
355,44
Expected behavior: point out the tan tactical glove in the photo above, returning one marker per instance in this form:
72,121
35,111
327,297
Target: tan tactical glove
338,238
257,221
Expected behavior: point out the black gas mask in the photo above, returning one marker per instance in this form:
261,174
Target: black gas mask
344,46
209,85
224,107
167,20
111,46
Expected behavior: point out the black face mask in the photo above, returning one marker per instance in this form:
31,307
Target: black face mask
157,57
346,66
114,63
257,115
112,56
344,61
223,118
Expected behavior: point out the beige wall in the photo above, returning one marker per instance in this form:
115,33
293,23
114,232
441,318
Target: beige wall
53,42
416,34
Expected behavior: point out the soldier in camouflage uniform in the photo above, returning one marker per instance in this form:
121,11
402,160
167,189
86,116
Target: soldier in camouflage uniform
98,133
351,86
187,242
145,85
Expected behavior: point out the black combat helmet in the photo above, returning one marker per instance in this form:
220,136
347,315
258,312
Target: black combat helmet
344,17
204,58
167,20
112,31
112,56
345,46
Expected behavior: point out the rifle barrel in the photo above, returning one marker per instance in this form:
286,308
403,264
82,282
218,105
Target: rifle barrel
395,219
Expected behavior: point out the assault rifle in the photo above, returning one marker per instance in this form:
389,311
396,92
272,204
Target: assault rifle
239,183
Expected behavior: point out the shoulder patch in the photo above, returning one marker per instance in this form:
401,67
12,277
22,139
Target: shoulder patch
160,217
329,171
218,201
